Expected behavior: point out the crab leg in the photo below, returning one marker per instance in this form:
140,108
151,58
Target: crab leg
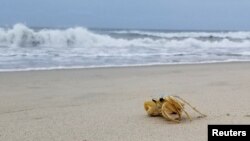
167,116
203,115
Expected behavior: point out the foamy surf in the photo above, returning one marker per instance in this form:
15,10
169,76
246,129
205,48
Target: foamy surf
24,48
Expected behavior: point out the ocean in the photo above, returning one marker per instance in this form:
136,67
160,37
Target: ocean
26,48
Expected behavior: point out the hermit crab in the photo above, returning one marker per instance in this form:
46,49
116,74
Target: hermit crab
170,107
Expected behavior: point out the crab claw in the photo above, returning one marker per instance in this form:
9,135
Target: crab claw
151,108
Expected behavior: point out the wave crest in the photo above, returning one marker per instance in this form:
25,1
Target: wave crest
22,36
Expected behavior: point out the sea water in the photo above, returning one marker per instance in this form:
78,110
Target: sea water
26,48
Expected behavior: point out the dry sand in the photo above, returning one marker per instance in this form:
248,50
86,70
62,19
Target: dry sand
106,104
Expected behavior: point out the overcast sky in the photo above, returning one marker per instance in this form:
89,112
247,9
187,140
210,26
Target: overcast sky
142,14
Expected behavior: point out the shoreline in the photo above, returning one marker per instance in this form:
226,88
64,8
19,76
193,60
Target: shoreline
116,67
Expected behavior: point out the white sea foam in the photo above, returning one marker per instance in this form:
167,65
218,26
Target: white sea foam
22,36
22,47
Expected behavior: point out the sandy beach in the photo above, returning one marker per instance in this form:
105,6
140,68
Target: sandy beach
106,104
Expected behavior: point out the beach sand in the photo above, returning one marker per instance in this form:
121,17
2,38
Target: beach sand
106,104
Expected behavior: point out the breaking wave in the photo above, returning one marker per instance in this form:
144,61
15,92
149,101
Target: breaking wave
23,47
22,36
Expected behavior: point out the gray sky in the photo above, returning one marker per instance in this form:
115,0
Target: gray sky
143,14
